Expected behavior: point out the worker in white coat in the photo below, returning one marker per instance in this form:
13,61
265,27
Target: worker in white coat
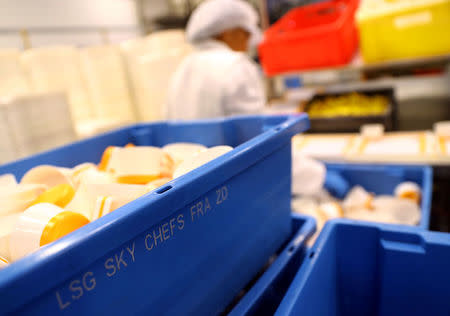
218,78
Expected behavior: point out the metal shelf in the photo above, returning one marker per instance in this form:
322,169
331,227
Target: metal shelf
357,65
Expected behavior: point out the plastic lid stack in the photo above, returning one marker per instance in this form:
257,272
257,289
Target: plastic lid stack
151,62
35,123
104,73
13,81
57,69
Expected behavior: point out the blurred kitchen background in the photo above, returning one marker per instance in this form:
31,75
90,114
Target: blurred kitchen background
92,66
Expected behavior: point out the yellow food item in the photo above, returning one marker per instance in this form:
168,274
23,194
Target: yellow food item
353,104
59,195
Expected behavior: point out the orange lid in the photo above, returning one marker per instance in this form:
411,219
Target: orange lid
410,195
137,179
3,260
61,225
106,157
59,195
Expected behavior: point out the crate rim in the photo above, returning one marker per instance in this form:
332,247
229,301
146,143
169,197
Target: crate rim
304,272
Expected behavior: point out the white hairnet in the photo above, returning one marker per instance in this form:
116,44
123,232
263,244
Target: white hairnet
212,17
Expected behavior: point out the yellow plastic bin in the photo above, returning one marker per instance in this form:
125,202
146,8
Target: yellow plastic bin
396,29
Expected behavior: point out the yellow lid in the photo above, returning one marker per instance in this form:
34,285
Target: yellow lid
61,225
59,195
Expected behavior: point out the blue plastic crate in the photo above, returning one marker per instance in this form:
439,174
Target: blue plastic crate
358,268
265,295
186,248
382,179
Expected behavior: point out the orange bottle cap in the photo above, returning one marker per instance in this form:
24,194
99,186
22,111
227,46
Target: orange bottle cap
61,225
59,195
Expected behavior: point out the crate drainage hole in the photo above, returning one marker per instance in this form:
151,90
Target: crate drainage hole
311,255
164,189
291,249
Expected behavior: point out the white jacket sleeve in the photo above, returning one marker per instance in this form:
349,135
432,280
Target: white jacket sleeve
243,90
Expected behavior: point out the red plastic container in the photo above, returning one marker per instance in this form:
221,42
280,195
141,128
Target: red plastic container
317,35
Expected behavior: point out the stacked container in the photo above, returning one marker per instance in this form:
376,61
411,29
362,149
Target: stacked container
313,36
399,29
